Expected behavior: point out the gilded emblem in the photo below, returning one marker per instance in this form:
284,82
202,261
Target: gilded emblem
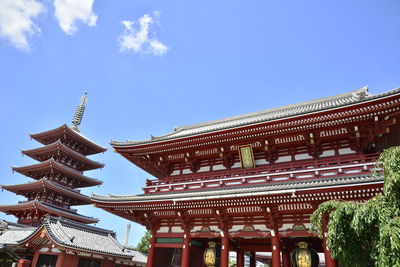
210,255
246,156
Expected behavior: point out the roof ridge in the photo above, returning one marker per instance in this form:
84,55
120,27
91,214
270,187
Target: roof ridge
61,145
65,126
289,106
287,111
71,223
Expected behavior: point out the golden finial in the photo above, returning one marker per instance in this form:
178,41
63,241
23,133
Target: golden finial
76,120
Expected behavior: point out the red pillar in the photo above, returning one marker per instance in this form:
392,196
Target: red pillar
35,258
240,258
60,260
186,249
276,250
224,249
285,258
252,259
329,262
152,248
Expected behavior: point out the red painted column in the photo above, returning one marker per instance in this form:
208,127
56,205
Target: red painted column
35,258
224,249
276,250
285,258
252,259
240,258
61,260
186,249
152,248
329,262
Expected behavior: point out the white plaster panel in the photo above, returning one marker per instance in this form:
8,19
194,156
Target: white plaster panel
196,229
286,226
344,151
260,227
214,228
204,169
218,167
283,159
176,172
55,250
261,162
236,165
176,230
236,228
163,230
302,156
327,153
186,171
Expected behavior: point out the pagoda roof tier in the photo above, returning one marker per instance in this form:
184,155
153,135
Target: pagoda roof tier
360,96
77,237
46,185
273,188
63,133
48,209
56,149
37,171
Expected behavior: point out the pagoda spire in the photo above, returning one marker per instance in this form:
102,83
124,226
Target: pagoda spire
76,120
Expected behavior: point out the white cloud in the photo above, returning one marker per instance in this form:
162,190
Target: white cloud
68,12
16,22
137,37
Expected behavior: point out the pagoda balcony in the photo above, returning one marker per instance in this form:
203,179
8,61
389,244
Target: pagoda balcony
354,164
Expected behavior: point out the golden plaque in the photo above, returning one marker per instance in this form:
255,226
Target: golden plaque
246,156
210,255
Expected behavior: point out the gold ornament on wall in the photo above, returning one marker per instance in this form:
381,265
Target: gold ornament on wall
210,255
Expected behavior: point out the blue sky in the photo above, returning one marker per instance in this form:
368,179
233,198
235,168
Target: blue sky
151,65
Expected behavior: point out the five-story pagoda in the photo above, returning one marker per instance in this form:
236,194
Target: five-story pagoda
58,174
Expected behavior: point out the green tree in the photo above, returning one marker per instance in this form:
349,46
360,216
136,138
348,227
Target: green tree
359,234
144,243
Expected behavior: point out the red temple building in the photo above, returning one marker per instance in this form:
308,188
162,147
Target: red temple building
57,235
250,183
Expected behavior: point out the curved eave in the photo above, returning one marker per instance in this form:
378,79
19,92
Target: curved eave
254,190
59,146
65,130
47,209
52,236
45,184
255,118
50,164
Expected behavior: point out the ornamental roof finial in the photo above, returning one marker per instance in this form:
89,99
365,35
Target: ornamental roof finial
76,120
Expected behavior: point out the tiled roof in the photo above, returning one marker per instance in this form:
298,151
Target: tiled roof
11,225
357,96
59,146
71,234
13,235
48,208
44,184
51,163
64,129
254,189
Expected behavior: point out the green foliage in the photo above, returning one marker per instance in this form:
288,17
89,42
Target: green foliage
359,234
231,263
144,243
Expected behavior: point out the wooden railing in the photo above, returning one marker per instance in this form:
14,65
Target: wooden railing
300,169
